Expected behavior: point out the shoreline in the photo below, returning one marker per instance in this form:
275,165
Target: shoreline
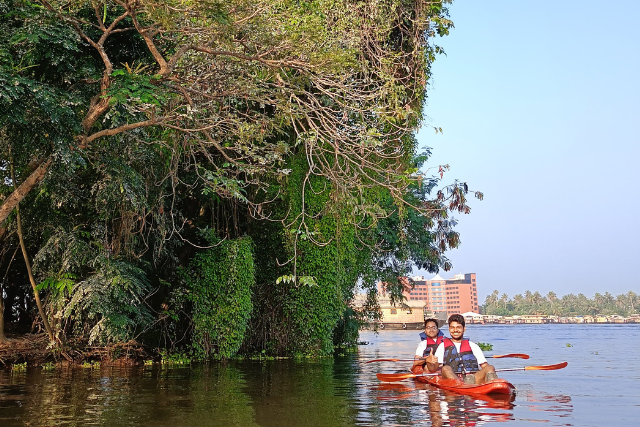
515,320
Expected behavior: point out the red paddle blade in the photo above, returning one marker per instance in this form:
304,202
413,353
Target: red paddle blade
391,378
546,367
516,355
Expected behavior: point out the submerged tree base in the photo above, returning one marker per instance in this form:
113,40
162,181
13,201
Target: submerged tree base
34,350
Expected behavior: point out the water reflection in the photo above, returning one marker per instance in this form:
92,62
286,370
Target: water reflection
339,392
301,393
282,393
541,406
444,408
117,397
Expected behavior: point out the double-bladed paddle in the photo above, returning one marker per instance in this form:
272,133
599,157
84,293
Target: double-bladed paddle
497,356
399,377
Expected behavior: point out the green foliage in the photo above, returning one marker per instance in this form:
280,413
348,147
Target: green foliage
39,69
299,141
347,330
19,367
409,239
111,302
305,297
62,284
174,358
130,86
218,282
93,364
485,346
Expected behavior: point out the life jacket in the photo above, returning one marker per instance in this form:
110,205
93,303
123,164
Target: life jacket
462,362
432,344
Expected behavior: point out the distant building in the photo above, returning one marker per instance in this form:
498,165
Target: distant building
407,316
453,296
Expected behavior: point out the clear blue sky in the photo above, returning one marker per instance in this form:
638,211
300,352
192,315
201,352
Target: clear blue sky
539,104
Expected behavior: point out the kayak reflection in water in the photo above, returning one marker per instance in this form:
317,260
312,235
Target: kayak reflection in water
431,338
459,357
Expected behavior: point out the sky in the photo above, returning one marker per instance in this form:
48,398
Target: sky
539,103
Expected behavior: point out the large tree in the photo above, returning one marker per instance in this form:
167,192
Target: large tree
148,125
237,85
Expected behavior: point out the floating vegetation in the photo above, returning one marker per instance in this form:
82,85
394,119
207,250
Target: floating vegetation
19,367
91,365
569,345
485,346
175,358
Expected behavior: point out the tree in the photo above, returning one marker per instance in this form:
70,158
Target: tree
238,85
148,126
504,299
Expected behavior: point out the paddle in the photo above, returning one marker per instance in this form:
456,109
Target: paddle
399,377
537,368
497,356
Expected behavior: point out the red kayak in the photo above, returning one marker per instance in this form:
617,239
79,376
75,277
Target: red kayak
497,386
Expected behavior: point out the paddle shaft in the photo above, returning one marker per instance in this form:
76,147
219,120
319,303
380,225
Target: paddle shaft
537,368
497,356
400,377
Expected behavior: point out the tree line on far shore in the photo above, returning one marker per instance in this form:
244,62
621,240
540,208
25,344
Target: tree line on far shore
568,305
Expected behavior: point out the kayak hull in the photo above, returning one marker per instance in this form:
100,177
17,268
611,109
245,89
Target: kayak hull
497,386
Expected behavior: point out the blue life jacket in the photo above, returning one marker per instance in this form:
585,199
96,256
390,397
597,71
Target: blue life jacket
462,362
431,343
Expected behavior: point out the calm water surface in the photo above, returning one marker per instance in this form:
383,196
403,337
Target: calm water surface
600,387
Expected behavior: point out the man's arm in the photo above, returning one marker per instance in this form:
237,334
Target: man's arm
418,359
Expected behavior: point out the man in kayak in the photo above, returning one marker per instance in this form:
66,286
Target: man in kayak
460,357
431,338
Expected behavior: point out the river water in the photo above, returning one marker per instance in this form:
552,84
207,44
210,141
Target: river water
600,387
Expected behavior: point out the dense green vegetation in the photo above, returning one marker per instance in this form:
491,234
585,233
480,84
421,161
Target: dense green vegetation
568,305
213,178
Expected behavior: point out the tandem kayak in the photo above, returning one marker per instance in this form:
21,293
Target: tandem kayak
497,386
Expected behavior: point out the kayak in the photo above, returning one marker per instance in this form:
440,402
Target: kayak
497,386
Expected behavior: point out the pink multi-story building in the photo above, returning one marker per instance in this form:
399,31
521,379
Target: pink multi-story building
456,295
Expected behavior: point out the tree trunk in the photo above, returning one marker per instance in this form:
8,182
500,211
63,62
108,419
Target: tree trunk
3,337
19,193
36,294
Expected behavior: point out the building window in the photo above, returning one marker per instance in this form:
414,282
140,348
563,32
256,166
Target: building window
394,311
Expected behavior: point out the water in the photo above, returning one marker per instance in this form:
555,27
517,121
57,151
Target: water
600,387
